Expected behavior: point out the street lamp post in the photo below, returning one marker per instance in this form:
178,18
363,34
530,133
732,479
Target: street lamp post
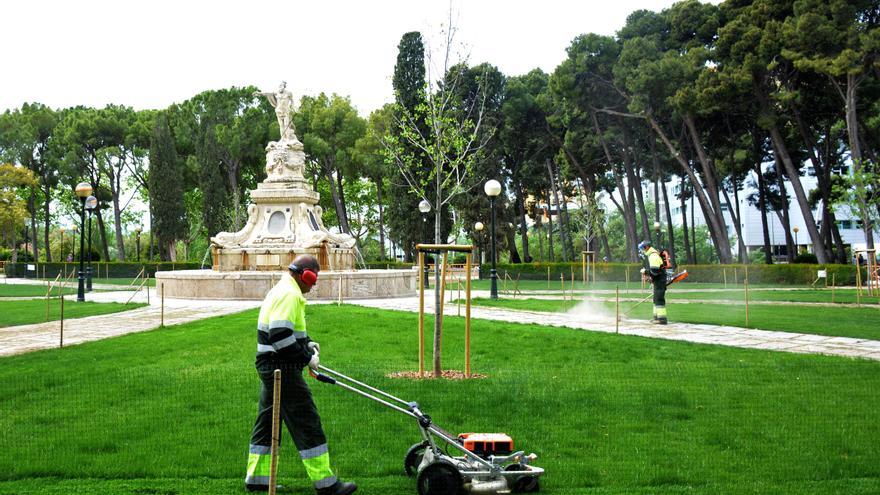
137,232
659,234
796,247
492,188
83,190
91,203
425,208
478,227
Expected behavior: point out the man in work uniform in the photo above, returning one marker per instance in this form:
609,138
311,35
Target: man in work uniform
656,272
282,343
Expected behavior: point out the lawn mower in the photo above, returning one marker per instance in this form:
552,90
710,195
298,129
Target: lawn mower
486,462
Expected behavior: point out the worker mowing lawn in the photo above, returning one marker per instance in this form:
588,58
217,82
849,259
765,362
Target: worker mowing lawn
283,344
655,272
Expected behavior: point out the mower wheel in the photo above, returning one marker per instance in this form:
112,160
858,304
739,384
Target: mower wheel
524,483
440,478
413,458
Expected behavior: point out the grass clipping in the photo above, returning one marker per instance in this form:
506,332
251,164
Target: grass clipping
447,374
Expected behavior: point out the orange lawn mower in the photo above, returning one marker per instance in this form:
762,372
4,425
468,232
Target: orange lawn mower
486,462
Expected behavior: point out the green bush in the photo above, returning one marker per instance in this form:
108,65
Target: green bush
784,274
389,265
804,258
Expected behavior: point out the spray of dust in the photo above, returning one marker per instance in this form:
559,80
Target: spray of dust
592,311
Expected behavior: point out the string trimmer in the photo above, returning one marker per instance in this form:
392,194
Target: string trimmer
675,278
486,464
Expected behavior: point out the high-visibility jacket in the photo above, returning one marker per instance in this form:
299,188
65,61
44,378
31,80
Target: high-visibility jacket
281,327
654,262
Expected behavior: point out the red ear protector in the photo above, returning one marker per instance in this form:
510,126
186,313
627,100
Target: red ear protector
307,276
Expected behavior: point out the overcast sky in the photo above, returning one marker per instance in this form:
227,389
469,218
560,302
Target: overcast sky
149,54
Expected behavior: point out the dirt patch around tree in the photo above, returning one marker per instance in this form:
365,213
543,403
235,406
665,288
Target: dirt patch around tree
446,374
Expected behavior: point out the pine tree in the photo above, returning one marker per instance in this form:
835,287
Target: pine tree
166,190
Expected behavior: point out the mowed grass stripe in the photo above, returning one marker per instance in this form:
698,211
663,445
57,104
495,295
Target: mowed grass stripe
26,312
605,413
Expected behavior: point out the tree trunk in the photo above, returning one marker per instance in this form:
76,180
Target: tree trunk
627,212
744,251
337,204
734,217
722,246
684,223
381,219
47,219
669,227
558,210
634,182
540,232
719,233
342,211
104,245
798,188
656,180
32,207
524,230
783,214
762,206
551,256
693,230
232,176
855,147
511,242
117,220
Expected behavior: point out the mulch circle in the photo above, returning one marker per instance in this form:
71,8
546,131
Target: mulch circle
447,374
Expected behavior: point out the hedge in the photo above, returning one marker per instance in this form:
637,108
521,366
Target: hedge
99,269
388,265
784,274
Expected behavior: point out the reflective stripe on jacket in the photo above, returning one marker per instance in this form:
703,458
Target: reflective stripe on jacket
281,327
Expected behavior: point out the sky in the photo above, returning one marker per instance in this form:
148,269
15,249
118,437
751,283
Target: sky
150,54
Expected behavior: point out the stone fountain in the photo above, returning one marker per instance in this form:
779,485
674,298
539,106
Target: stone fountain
284,221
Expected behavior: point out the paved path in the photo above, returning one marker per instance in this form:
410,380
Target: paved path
26,338
703,334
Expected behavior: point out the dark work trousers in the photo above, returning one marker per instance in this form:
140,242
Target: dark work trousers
659,290
298,411
660,296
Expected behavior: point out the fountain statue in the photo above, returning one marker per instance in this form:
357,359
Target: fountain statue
284,221
285,218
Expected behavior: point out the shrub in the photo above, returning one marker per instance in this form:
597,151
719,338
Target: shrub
806,258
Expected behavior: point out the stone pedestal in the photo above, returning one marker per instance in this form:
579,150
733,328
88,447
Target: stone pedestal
253,285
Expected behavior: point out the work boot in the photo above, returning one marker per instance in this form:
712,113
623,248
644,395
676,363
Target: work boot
338,488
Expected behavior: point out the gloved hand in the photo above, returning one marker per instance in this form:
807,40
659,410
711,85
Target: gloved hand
642,271
314,361
314,347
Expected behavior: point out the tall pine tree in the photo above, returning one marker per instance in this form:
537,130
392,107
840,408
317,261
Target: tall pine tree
409,93
166,190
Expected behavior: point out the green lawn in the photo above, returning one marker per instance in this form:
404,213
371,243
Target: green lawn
861,323
21,290
847,296
170,411
34,311
120,281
